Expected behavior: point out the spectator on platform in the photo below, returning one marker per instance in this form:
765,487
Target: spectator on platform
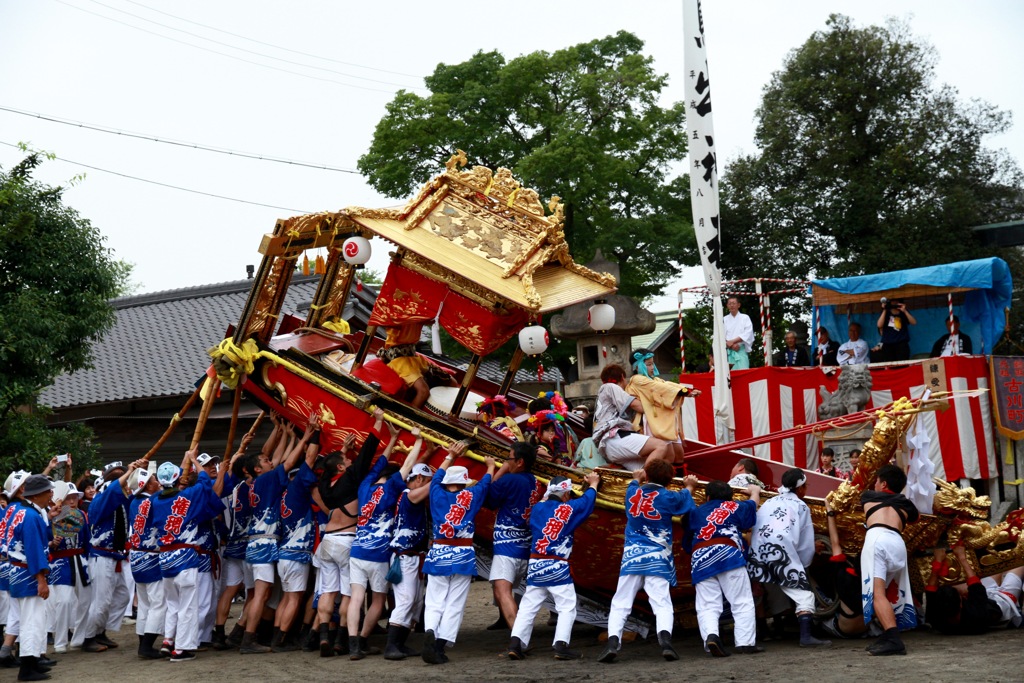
791,356
825,356
894,325
856,350
953,343
739,335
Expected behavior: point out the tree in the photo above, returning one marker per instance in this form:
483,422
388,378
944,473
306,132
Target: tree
581,123
864,165
55,281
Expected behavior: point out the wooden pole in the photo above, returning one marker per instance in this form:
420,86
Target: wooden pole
174,424
234,422
204,414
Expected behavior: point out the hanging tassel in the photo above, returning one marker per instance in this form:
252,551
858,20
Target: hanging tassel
321,265
359,285
305,265
435,338
604,351
540,372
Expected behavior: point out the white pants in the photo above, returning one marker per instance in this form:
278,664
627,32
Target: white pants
83,612
804,599
152,607
33,626
206,587
13,617
110,595
565,604
625,592
734,586
129,582
335,551
1007,596
181,623
408,593
445,604
60,611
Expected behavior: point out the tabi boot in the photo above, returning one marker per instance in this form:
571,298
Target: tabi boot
44,663
611,650
429,652
364,645
340,640
30,672
90,645
250,646
515,649
220,639
667,651
714,646
806,639
749,649
500,624
393,650
234,638
326,640
562,651
441,644
281,642
102,639
403,636
146,649
312,641
355,648
888,644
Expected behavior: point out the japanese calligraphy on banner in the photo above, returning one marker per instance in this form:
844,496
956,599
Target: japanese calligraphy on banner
1008,399
704,196
934,374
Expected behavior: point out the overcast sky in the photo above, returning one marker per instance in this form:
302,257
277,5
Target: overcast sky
308,81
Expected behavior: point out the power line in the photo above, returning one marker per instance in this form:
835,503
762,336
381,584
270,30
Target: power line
223,54
167,185
242,49
177,143
276,47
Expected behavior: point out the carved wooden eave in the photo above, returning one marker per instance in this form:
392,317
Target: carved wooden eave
488,237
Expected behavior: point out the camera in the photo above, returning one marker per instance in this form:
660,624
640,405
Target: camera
62,458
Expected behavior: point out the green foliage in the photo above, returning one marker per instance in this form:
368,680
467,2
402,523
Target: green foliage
55,279
27,443
581,123
864,165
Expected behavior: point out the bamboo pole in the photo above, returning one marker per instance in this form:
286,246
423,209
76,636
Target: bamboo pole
174,424
235,405
204,414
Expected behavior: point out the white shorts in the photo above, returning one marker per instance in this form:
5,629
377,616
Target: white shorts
262,572
334,553
238,572
294,575
624,449
366,573
511,569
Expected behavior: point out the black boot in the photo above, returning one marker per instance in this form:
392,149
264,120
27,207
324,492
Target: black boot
220,640
806,639
667,651
251,646
146,649
440,645
611,650
403,636
340,640
563,652
282,642
392,651
326,646
312,641
234,638
355,650
44,663
500,624
102,639
29,671
515,649
367,649
429,652
714,646
889,644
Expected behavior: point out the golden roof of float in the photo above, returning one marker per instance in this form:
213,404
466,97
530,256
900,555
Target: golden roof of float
480,232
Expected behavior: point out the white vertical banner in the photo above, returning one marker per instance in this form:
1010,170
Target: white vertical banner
704,196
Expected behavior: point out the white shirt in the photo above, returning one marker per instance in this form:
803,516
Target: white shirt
739,325
952,347
853,353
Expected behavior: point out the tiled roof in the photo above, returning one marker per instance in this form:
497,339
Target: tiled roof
158,345
664,322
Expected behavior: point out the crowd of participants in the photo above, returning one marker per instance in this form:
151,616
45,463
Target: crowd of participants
317,545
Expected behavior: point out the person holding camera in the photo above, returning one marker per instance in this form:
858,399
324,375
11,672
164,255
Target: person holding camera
894,326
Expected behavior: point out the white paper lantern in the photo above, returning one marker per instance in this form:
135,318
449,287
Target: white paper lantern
533,340
601,316
356,250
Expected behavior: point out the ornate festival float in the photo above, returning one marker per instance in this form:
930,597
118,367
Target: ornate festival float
478,254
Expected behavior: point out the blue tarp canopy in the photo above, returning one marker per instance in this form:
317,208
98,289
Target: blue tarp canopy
981,291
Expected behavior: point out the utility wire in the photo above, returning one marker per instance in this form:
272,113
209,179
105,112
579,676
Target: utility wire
167,185
224,54
242,49
276,47
177,143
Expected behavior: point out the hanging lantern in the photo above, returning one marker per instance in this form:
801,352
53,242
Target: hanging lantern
356,251
533,340
601,316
